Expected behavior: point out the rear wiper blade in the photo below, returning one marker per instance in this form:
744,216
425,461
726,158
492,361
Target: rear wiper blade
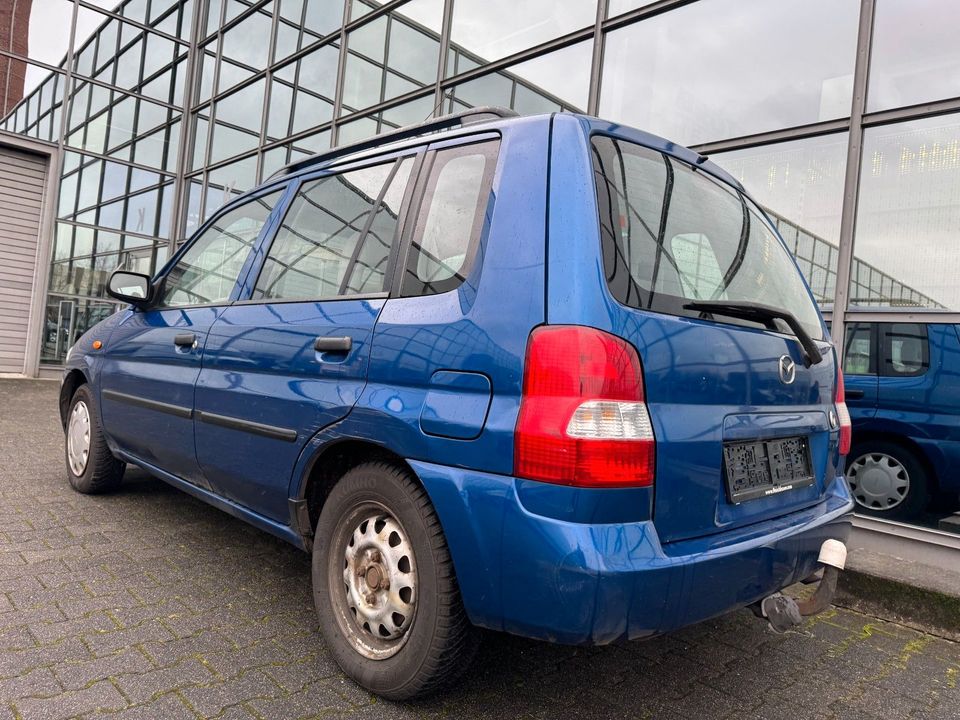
756,312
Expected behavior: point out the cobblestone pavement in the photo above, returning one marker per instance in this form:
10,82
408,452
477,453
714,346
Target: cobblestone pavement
150,604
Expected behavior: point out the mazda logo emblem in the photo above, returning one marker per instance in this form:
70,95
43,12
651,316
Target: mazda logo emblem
788,369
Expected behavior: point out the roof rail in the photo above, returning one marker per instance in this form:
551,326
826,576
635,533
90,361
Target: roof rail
467,117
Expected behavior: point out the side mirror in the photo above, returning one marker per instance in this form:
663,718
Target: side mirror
130,287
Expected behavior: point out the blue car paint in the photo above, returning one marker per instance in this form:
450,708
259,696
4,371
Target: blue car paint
554,562
923,409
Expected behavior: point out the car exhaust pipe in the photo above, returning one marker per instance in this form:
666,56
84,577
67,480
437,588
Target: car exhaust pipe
783,612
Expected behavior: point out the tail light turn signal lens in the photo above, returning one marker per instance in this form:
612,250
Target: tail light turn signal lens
583,420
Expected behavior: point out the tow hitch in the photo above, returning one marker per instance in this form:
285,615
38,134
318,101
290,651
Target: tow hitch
784,613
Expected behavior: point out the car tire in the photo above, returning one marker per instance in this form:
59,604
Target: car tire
384,586
91,467
888,480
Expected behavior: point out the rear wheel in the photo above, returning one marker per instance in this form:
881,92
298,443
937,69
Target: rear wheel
384,586
888,480
91,467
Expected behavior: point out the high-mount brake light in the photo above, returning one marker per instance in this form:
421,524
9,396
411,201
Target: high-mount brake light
583,420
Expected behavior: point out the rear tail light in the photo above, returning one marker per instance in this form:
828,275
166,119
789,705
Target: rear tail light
583,420
843,415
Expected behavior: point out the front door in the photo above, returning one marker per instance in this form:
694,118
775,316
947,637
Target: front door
152,359
292,358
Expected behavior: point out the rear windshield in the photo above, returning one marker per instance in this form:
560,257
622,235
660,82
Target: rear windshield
672,235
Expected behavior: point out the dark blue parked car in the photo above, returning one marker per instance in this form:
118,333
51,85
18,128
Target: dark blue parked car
903,391
549,375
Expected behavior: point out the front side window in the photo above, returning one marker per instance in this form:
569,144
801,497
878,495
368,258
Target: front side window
905,349
336,237
207,272
672,235
859,356
450,218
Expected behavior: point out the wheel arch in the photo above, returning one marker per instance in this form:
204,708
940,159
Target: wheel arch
323,469
73,380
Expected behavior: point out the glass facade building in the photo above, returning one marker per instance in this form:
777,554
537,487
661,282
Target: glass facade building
846,128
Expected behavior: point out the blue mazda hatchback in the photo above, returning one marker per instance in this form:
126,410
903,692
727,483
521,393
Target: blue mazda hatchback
546,375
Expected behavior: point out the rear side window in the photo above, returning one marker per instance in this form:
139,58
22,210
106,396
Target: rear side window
672,235
905,349
450,218
337,235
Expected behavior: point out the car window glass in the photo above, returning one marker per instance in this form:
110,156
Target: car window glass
905,348
858,354
207,271
321,250
450,218
653,206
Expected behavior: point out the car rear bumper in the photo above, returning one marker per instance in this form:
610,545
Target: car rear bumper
595,583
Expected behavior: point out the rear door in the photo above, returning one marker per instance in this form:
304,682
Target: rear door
860,369
734,404
292,356
152,360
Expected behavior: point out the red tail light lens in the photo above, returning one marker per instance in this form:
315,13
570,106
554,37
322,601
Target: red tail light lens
843,415
583,420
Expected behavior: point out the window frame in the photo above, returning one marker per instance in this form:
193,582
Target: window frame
160,278
416,153
885,346
420,206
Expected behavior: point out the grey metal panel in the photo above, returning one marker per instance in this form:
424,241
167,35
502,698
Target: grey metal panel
22,178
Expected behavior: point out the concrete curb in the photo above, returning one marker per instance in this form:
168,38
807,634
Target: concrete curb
925,609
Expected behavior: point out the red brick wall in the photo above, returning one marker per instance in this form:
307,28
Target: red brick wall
14,38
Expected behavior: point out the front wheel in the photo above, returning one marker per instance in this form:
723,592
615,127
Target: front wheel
91,467
384,586
887,480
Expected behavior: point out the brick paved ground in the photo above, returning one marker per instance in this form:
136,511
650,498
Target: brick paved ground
149,604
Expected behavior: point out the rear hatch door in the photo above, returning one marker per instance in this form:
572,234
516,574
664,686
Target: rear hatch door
743,416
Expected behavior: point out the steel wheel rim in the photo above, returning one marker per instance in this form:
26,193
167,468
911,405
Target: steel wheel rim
372,575
78,438
878,481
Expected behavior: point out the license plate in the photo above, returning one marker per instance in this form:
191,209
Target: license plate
761,469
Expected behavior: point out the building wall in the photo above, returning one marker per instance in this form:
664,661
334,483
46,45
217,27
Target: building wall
14,38
172,108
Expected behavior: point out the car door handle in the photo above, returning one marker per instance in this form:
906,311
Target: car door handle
854,394
187,339
333,344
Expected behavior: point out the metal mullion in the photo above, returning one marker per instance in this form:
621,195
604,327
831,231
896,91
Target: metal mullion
385,9
121,18
383,66
268,89
912,112
121,91
388,104
304,51
148,188
445,29
905,315
92,226
596,63
211,120
559,43
851,181
226,27
798,132
341,72
177,222
656,8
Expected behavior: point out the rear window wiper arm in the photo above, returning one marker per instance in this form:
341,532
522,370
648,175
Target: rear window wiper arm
756,312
